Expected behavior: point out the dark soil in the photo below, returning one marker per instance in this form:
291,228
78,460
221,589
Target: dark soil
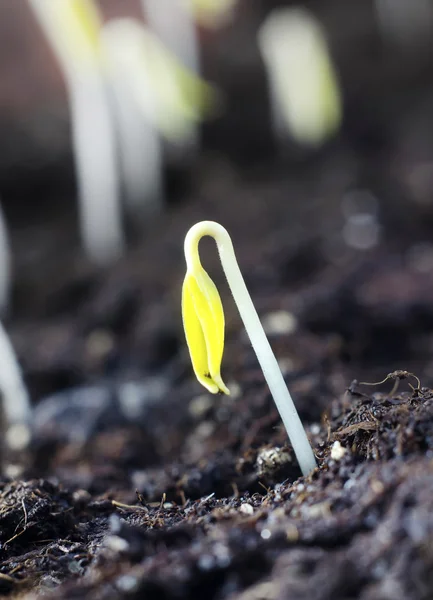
155,490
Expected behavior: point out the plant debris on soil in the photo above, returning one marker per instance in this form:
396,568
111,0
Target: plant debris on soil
359,526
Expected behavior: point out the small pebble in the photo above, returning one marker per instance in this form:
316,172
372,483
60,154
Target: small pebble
361,231
116,543
18,436
246,509
337,451
13,471
269,459
200,405
127,583
81,496
279,322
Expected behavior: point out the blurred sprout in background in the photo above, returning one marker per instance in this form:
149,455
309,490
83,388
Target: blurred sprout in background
140,149
177,100
153,92
136,75
131,92
73,30
304,92
137,97
5,265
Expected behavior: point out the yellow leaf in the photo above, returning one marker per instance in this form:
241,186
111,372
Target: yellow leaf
203,320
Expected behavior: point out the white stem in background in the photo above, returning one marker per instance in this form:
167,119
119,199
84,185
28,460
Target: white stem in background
15,399
257,336
140,143
96,163
72,28
5,265
175,27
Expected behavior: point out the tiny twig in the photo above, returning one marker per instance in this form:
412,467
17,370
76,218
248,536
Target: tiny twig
264,487
396,376
130,507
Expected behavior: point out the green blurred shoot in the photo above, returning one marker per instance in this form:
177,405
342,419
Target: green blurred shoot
171,96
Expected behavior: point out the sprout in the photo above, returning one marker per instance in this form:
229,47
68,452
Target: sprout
169,95
139,139
73,29
305,98
5,265
203,320
175,28
15,399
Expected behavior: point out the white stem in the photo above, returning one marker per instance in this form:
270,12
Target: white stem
256,334
140,155
5,265
74,38
175,28
140,143
97,169
16,403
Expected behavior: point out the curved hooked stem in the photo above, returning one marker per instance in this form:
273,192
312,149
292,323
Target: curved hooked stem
256,334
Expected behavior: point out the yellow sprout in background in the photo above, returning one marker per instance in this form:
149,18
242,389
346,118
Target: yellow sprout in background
181,97
170,97
210,13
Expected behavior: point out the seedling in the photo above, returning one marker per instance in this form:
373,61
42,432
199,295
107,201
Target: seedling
169,95
140,144
304,93
156,99
15,399
73,29
203,320
175,28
